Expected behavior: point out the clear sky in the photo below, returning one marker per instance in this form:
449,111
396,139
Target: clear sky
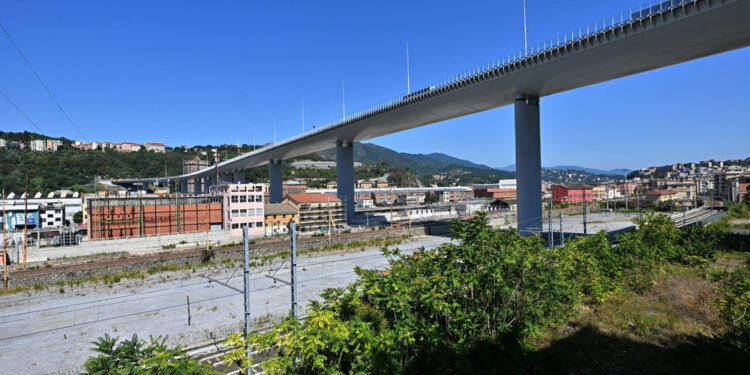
197,72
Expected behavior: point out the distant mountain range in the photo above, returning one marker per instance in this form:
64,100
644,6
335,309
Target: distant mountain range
611,172
450,170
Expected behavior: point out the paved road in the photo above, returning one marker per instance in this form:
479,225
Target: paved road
50,332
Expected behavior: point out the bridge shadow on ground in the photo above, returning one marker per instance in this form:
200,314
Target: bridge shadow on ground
591,351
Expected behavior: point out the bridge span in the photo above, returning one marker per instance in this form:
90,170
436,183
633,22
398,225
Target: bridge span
660,35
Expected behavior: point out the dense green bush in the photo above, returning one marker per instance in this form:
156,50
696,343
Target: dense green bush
137,356
431,309
734,305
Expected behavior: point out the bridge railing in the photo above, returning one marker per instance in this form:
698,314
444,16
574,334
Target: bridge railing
622,19
608,23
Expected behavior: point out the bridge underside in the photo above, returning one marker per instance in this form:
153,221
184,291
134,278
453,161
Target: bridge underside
698,29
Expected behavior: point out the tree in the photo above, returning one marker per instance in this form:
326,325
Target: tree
137,356
78,217
429,197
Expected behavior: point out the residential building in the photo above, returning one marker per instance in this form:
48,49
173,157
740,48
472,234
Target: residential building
242,206
507,184
599,193
365,203
155,147
53,144
495,193
82,145
364,184
293,187
38,145
723,183
317,212
331,185
2,142
52,215
129,147
278,216
740,187
666,195
572,193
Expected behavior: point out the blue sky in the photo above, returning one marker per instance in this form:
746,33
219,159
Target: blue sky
196,72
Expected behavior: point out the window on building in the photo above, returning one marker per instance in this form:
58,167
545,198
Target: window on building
243,199
234,199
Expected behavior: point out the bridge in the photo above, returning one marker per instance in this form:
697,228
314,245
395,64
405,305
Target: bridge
663,34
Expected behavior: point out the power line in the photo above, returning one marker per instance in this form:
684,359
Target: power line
21,112
40,80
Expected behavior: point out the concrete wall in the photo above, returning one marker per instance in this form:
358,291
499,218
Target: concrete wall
65,273
141,245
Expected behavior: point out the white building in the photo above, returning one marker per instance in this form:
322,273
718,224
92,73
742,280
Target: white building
507,184
155,147
38,145
2,142
52,215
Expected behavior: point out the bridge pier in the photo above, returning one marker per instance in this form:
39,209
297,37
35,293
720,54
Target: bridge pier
183,186
239,177
275,182
197,185
528,164
345,177
208,182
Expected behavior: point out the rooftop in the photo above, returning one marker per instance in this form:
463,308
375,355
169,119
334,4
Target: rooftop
279,209
313,198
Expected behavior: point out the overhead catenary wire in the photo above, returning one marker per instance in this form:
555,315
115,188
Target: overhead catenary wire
44,85
21,112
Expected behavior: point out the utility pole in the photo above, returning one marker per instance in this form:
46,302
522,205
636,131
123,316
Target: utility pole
525,30
274,130
390,199
638,198
550,233
293,228
5,252
585,230
246,265
25,218
562,233
607,193
626,189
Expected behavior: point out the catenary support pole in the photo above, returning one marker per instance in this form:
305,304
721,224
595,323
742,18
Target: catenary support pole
293,231
528,163
345,177
562,232
246,265
585,209
276,189
551,238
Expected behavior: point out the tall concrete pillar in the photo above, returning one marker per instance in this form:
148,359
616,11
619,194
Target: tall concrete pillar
183,186
528,164
275,183
208,182
345,177
239,177
197,186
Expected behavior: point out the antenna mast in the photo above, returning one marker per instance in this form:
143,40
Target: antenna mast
343,99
